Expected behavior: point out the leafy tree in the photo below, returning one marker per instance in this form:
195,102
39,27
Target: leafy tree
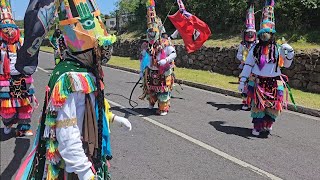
20,23
228,16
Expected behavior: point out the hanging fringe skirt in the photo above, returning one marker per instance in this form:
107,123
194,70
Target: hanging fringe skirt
159,83
267,95
17,98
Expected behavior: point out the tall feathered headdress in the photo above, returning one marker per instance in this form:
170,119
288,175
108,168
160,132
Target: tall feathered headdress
250,19
6,18
267,23
153,31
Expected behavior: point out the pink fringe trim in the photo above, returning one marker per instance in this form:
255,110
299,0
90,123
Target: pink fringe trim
7,115
29,80
4,83
24,115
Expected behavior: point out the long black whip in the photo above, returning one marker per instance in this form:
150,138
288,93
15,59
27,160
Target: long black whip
130,99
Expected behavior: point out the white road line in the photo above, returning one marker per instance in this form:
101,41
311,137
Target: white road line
230,97
201,144
43,70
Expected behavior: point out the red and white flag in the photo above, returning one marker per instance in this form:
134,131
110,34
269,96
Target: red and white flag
193,30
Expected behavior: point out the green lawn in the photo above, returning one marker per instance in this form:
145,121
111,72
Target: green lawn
46,48
306,99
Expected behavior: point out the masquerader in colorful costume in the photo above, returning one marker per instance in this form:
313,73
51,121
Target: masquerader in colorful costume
249,40
73,140
59,45
16,90
266,85
157,63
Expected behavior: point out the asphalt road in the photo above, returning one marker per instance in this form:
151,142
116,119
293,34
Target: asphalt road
205,136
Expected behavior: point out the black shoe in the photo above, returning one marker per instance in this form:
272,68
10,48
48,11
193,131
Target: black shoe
264,134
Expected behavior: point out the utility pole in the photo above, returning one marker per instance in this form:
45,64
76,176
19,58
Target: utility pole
117,21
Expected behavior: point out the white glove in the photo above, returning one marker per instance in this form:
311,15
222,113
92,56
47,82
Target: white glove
241,87
123,121
286,49
162,62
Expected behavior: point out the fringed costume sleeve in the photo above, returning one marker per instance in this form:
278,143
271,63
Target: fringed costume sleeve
239,53
247,69
68,132
171,53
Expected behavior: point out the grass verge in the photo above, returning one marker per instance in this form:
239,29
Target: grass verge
46,49
306,99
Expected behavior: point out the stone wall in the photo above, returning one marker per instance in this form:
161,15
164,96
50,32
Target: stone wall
304,73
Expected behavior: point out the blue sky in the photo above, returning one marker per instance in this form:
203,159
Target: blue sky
19,7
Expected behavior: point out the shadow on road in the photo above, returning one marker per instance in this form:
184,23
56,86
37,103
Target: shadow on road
5,137
145,112
231,107
176,97
115,94
20,150
233,82
239,131
130,82
135,103
116,108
